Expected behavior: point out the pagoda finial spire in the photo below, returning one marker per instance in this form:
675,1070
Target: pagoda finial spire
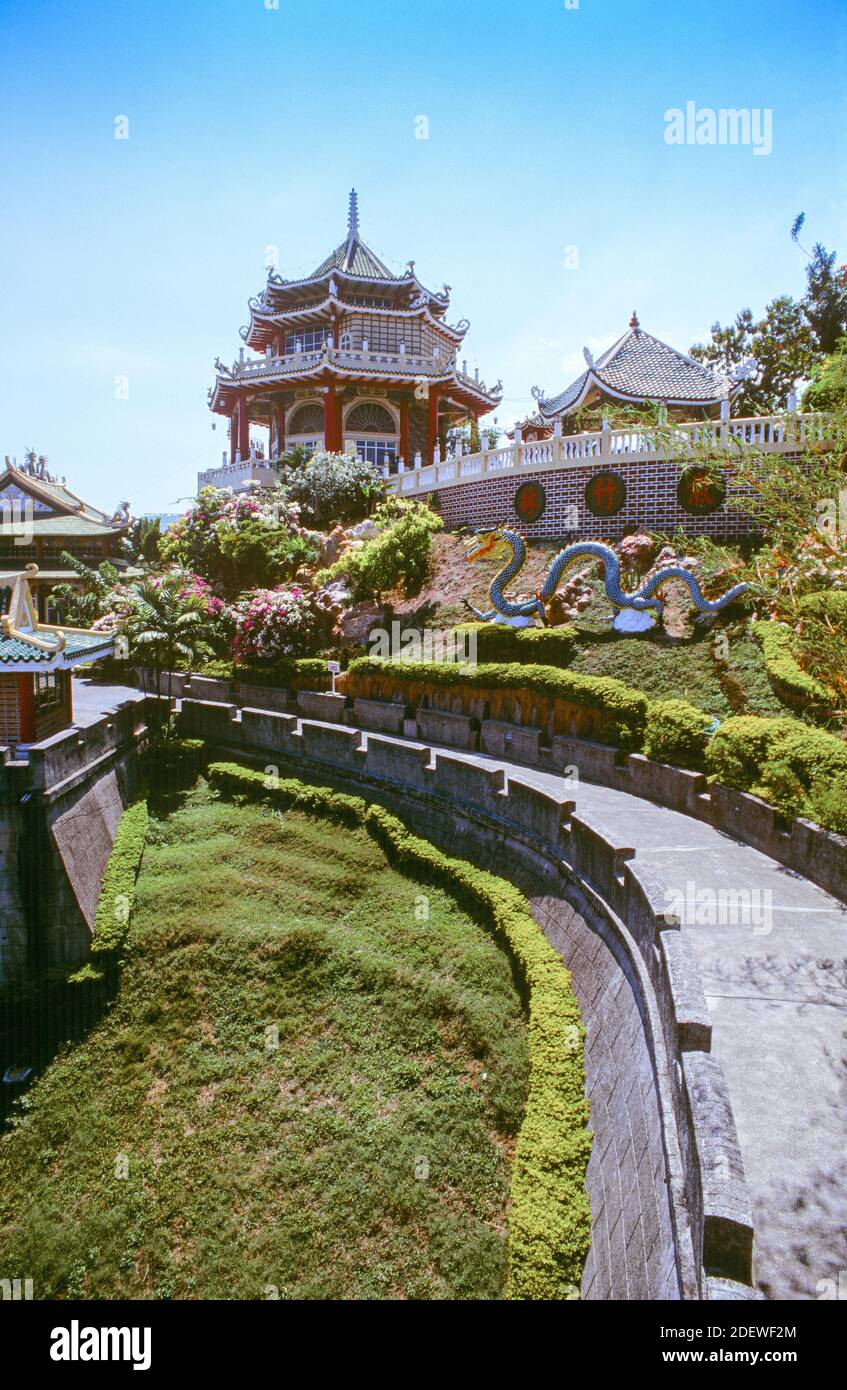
353,215
633,323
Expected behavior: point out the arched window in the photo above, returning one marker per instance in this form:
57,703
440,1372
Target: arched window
371,431
306,419
370,418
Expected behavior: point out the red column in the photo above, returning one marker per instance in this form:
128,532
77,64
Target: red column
404,432
233,434
243,428
26,707
432,429
332,420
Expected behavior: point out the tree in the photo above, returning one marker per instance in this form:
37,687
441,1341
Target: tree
827,389
772,354
166,622
80,605
144,538
825,301
335,487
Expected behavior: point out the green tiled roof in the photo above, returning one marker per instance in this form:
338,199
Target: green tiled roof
14,651
357,259
70,526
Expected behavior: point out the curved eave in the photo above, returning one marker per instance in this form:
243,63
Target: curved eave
595,380
264,324
225,392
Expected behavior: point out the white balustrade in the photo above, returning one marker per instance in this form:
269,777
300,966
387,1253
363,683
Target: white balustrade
771,433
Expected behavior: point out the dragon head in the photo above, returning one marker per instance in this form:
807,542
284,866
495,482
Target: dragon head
487,545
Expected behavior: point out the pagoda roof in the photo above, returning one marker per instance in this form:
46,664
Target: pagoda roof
637,368
353,263
58,510
27,644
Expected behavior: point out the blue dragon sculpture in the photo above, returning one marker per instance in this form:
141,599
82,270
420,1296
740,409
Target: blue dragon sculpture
637,611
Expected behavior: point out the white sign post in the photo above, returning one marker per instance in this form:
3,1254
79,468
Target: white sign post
334,668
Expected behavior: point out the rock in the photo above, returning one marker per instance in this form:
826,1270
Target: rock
364,530
355,624
637,550
333,545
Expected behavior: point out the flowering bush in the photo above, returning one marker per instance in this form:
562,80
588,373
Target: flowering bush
335,487
273,623
239,540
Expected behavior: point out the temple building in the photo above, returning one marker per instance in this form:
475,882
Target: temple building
353,359
636,370
40,519
35,664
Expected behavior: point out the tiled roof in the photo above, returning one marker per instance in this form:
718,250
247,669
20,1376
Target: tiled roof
357,259
16,649
640,367
70,526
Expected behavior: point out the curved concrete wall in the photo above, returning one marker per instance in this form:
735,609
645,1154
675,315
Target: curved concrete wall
670,1206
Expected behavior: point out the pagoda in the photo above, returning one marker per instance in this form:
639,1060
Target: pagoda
352,359
637,370
41,519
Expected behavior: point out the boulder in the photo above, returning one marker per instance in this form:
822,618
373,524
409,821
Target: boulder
333,545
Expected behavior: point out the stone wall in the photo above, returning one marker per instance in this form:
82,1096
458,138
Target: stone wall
59,812
644,959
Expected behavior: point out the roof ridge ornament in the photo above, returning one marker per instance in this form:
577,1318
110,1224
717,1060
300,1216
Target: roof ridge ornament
589,357
633,323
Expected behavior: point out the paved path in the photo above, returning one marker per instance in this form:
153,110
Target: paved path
93,699
776,984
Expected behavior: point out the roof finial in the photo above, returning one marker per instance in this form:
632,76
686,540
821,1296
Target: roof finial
633,323
353,215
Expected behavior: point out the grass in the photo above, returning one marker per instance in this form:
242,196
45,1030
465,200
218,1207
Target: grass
302,1086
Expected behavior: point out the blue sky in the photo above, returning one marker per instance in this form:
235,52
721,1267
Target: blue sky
248,125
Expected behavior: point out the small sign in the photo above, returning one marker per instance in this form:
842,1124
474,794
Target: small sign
700,492
334,667
530,501
605,494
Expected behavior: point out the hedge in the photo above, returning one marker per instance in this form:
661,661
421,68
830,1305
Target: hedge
676,733
496,642
550,1217
117,894
598,707
797,768
289,672
791,682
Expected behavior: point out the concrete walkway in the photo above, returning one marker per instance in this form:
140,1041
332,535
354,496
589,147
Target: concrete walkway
775,975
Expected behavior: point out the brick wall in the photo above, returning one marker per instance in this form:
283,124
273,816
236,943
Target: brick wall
651,504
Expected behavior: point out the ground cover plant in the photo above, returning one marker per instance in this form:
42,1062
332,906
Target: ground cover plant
301,1087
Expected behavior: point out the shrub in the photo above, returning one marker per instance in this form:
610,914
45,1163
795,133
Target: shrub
800,770
294,673
273,623
550,1217
594,706
238,540
790,681
676,733
546,646
117,893
830,605
398,556
335,487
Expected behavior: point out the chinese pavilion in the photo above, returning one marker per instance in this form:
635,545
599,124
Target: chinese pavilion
355,359
635,370
40,519
35,664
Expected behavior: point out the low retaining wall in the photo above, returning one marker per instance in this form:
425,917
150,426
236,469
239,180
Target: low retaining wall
708,1194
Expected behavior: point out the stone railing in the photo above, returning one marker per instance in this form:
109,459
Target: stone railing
239,474
773,434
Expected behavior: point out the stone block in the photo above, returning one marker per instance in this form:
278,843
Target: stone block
381,715
455,730
727,1220
480,787
318,704
518,741
334,746
402,763
537,812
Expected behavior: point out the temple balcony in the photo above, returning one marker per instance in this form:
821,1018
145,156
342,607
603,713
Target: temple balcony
788,433
348,359
240,475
